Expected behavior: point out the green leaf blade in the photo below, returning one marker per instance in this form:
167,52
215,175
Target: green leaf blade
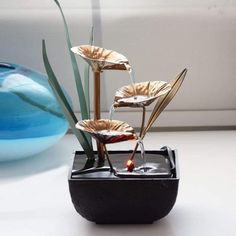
87,87
87,76
79,86
65,106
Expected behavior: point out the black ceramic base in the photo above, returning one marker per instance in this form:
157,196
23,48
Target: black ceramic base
104,198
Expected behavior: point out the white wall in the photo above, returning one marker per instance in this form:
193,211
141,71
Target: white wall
158,37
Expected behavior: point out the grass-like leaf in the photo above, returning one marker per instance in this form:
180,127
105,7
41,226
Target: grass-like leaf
79,86
85,112
86,77
164,100
65,106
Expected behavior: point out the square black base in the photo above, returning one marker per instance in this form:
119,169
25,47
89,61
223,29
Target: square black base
104,198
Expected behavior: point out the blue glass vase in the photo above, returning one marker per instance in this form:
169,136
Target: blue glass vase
30,117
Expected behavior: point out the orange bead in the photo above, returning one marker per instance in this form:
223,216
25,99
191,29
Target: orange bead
130,165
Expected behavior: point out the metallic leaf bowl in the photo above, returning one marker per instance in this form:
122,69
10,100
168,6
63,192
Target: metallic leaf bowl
140,94
107,131
100,58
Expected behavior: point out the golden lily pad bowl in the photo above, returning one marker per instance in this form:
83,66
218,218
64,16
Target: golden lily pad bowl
100,58
141,94
107,131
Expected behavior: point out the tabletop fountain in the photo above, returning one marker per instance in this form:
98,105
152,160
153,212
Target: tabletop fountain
133,186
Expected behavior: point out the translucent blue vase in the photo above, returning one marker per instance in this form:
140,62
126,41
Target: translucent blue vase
30,117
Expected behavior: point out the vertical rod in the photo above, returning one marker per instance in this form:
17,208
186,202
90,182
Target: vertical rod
143,122
108,159
97,110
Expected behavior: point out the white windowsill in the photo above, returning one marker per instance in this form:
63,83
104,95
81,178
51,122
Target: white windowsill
35,200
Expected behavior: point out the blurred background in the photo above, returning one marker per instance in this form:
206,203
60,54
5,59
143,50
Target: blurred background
159,38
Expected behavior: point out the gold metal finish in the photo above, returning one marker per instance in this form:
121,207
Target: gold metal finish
108,159
97,109
162,102
134,95
165,100
101,58
140,94
143,121
107,131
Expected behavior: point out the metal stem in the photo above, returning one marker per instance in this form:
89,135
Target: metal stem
97,111
143,121
108,159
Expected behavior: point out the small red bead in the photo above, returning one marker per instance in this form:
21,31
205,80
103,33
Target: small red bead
130,165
